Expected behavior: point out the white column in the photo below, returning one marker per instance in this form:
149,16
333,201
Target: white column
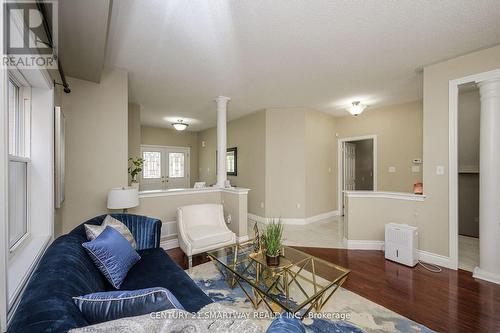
489,182
221,139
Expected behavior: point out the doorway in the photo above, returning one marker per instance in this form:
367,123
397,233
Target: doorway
165,167
468,121
455,170
357,166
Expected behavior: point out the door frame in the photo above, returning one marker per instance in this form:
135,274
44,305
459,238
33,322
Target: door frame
453,158
188,162
340,166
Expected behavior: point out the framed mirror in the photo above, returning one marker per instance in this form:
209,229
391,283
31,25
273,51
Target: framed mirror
232,161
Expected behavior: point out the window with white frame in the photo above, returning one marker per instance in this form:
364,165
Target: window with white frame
176,165
19,161
152,165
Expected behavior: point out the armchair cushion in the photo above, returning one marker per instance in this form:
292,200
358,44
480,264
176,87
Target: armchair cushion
202,236
202,228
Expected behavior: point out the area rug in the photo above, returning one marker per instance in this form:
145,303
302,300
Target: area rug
345,312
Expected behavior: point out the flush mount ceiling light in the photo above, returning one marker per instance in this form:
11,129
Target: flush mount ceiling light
356,108
179,125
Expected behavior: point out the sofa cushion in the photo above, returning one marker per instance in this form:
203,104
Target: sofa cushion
202,236
157,269
65,270
146,230
93,231
111,305
113,255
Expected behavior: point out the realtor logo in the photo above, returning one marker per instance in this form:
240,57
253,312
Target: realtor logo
30,34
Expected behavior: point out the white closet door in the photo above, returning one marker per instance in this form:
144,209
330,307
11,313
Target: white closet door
350,166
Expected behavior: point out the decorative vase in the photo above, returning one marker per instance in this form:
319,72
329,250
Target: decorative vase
272,260
135,184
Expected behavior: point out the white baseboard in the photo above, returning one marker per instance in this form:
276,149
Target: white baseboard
365,245
425,256
168,244
256,218
484,275
295,221
435,259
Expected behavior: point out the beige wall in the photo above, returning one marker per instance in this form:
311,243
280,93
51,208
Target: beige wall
236,205
169,137
96,146
399,140
206,155
248,135
165,207
321,169
434,220
285,156
285,163
366,217
134,130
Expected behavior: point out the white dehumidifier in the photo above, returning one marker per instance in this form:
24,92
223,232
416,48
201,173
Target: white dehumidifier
401,242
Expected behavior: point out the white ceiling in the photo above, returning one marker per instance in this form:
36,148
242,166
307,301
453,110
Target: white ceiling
320,54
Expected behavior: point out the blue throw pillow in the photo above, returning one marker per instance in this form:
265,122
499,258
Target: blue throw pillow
111,305
113,255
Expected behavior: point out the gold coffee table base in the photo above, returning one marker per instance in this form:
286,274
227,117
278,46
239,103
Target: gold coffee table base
271,285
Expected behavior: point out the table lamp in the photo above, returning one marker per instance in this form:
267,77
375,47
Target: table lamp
123,198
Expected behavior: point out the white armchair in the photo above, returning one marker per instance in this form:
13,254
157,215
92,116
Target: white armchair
202,228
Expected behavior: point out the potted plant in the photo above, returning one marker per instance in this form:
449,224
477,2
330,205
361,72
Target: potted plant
134,168
272,240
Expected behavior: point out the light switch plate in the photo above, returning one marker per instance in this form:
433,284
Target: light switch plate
392,169
440,170
415,168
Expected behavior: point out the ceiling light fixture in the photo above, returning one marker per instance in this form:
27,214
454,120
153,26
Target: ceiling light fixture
357,108
179,125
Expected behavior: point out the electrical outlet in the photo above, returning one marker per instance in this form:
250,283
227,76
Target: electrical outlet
392,169
261,205
415,168
440,170
298,205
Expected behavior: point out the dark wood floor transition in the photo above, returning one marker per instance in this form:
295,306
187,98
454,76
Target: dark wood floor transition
450,301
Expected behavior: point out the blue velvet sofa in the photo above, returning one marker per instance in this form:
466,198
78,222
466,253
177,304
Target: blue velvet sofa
66,270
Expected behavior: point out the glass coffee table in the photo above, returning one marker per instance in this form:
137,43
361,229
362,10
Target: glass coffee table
300,283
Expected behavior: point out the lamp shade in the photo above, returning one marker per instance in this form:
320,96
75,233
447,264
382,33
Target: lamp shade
123,198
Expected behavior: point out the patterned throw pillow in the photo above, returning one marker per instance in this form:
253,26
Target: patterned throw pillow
111,305
93,231
113,255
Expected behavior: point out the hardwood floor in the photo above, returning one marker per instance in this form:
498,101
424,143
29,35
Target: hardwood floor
450,301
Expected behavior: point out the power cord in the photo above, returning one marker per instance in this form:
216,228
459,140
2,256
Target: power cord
430,267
